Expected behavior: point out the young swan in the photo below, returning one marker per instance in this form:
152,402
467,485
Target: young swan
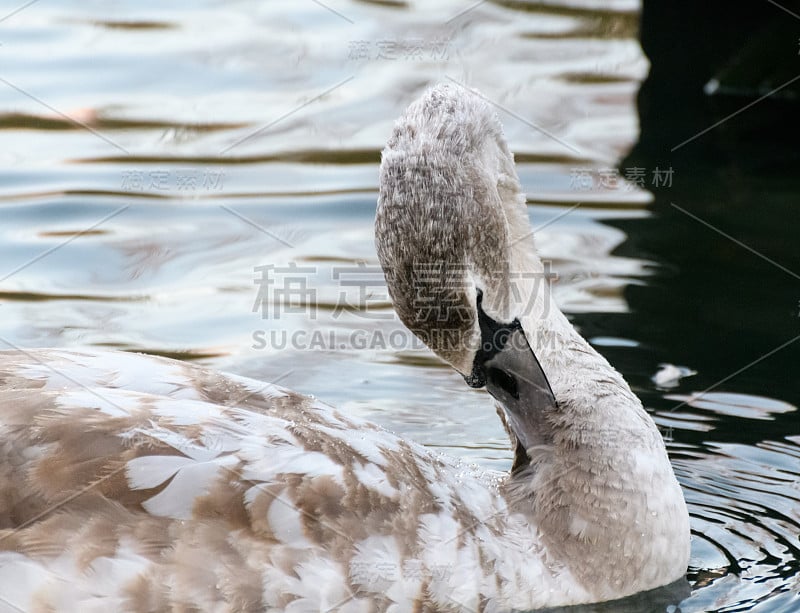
591,474
135,483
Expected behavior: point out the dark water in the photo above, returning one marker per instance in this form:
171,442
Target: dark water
155,160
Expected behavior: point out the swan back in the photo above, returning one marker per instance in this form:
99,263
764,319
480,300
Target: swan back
131,482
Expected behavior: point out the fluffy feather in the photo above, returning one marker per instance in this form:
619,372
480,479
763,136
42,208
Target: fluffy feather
136,483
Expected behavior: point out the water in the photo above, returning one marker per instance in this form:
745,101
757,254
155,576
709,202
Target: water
155,158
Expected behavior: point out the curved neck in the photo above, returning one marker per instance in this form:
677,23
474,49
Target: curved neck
602,493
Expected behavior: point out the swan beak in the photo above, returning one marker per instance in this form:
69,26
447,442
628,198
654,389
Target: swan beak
509,369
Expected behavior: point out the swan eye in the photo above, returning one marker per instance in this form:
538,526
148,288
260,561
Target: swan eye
506,382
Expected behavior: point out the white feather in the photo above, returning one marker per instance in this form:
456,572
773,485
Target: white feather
130,482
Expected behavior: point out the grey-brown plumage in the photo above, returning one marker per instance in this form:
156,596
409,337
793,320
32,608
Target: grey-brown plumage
595,478
135,483
441,166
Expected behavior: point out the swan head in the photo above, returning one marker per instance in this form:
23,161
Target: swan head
454,241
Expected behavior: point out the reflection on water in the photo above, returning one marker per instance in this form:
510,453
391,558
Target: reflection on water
159,160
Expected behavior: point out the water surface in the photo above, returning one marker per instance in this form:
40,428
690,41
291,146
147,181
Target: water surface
199,181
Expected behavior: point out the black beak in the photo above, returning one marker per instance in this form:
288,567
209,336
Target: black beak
507,366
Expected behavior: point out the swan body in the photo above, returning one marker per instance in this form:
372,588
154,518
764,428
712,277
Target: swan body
136,483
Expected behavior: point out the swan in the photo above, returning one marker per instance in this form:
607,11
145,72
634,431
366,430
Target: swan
138,483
